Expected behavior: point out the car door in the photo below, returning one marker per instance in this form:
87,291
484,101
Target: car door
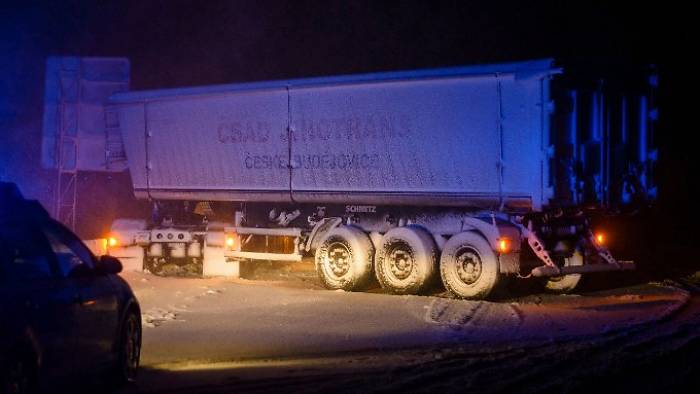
39,307
98,316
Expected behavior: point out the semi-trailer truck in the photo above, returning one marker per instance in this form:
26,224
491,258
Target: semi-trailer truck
464,176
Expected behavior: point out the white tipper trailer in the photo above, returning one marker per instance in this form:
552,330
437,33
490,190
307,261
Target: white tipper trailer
408,177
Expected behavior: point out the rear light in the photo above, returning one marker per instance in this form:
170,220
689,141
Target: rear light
504,245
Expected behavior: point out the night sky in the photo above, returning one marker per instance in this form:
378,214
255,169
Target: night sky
181,43
175,43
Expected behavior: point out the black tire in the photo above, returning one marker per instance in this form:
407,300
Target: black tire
468,266
128,349
406,260
19,374
566,283
344,259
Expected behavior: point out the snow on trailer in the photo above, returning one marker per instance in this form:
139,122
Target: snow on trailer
406,176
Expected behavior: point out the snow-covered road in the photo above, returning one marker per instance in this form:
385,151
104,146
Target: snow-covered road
208,333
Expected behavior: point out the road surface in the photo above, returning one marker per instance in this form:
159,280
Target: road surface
222,335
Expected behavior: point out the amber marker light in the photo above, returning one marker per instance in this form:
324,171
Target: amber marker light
104,246
600,239
504,245
230,242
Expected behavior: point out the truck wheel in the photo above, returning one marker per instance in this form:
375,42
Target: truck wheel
468,266
344,259
406,260
566,283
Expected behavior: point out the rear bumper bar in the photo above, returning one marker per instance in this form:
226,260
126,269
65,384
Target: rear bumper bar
262,256
546,270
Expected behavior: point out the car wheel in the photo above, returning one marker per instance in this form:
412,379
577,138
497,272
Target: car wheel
19,376
129,350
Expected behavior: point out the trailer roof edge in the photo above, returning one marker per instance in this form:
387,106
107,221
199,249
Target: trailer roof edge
521,69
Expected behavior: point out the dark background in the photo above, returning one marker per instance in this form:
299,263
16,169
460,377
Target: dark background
180,43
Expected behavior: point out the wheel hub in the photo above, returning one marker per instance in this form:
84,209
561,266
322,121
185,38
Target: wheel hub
401,262
339,259
469,266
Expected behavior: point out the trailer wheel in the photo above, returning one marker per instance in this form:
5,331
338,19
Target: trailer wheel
468,266
344,259
406,260
566,283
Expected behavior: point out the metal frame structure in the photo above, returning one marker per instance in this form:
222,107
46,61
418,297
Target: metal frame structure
67,146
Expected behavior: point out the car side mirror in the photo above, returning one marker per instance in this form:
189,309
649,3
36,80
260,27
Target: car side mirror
108,265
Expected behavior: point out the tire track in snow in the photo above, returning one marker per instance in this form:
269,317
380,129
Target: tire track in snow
559,366
466,315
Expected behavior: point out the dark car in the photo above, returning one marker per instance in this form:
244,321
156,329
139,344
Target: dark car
64,314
